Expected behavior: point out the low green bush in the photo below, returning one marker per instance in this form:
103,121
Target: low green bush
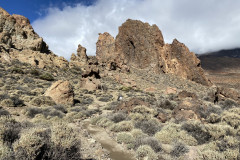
34,72
47,77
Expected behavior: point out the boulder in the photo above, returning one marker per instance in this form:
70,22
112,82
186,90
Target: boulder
61,92
90,83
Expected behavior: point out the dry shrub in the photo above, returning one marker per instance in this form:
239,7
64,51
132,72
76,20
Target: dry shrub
149,127
10,130
4,112
33,144
42,100
172,132
211,154
179,149
197,130
217,131
228,142
228,104
151,141
138,133
123,126
66,144
126,138
58,142
118,117
147,152
232,117
47,77
6,152
47,112
167,104
102,121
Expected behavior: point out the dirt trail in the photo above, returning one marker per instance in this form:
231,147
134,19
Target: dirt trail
117,152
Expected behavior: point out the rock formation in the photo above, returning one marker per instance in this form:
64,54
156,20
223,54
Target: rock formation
61,92
139,45
105,48
81,58
19,41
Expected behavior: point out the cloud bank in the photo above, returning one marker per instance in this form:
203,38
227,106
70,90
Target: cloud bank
203,25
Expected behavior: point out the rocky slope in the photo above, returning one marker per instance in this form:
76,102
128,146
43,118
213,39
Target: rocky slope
19,41
118,105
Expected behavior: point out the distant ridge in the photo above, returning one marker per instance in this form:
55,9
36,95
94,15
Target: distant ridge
221,60
234,53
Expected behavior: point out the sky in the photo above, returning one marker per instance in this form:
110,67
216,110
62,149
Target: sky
203,25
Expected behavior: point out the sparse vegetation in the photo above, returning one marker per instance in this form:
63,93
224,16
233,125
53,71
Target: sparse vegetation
148,121
47,112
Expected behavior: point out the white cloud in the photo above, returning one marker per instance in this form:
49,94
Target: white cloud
203,25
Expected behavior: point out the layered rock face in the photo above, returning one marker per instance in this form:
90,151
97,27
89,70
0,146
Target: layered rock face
19,41
139,45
